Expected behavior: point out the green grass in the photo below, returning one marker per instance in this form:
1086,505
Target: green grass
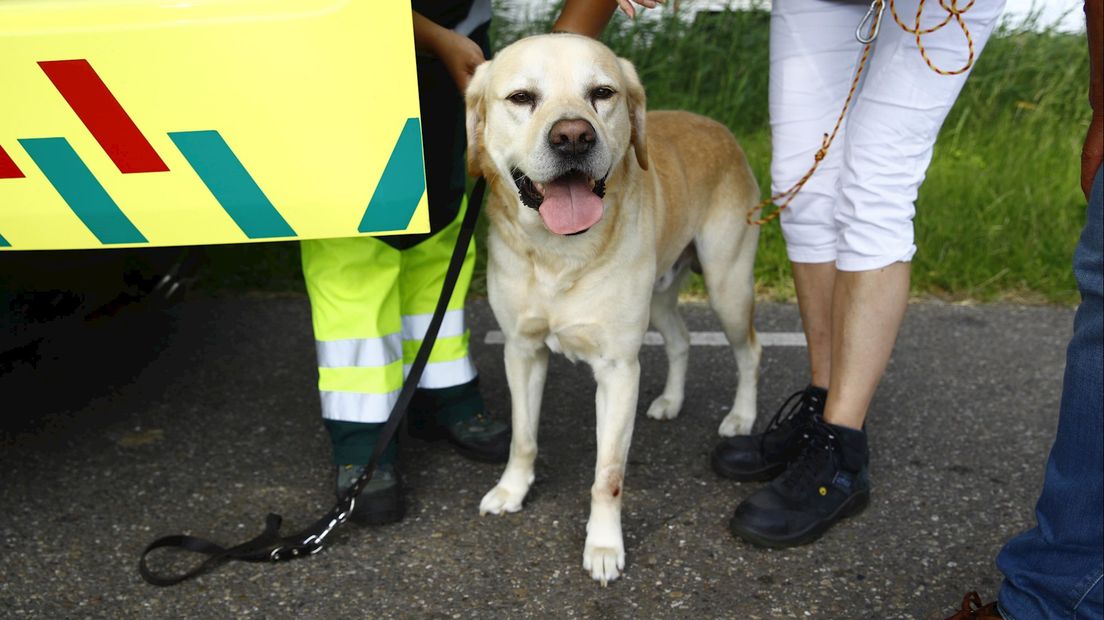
998,215
1001,210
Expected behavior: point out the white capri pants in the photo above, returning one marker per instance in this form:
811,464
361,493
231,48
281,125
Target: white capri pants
857,208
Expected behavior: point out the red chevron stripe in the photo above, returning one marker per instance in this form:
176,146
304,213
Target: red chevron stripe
102,114
8,169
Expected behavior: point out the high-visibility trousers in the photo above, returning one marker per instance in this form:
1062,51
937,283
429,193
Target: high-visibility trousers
370,306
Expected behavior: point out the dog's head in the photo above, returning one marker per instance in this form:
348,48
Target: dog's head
556,114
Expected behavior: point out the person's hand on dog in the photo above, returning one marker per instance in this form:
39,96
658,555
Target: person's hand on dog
627,7
460,54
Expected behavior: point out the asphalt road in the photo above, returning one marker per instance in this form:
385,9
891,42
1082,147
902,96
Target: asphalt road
204,417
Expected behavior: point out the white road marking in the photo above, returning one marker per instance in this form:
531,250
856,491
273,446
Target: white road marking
699,339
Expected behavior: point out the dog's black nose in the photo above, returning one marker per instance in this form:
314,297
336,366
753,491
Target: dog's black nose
572,136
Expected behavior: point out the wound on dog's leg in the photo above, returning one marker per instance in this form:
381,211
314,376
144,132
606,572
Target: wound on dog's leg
607,484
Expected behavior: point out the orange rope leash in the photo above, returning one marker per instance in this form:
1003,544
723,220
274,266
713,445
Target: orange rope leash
789,194
953,12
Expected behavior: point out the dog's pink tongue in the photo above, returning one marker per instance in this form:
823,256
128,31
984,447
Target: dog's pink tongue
570,206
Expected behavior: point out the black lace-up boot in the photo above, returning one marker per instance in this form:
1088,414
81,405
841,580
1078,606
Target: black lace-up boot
458,414
765,455
827,482
381,500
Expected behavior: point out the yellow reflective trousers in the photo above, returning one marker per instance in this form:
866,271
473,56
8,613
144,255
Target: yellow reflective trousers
371,305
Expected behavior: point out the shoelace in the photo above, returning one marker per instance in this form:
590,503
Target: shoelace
817,446
778,419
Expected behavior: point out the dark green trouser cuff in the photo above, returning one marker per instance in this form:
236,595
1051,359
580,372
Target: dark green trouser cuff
353,442
446,406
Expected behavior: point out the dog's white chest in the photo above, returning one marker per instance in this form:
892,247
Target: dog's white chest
552,284
576,342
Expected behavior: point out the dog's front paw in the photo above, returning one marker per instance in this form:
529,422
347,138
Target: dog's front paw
604,562
501,500
664,408
735,425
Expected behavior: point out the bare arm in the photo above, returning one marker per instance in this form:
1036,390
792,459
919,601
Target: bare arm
460,54
586,17
1093,152
589,17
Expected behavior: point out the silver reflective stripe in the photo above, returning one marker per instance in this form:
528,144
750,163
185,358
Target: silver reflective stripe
358,407
362,352
416,325
445,374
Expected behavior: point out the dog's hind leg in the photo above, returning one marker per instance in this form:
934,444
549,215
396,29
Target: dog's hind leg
526,369
728,266
666,319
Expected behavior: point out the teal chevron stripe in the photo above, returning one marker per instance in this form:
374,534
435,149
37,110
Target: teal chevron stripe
81,191
4,242
231,184
401,186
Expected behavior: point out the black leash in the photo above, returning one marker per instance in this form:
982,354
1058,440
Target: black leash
269,546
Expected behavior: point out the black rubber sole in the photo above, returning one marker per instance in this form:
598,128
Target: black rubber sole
759,475
851,507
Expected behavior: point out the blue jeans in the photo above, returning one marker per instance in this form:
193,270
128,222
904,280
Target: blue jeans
1055,569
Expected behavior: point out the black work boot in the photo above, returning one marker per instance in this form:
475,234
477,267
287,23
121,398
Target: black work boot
827,482
380,501
765,455
458,415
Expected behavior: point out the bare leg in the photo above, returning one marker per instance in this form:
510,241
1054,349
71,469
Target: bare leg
815,283
867,310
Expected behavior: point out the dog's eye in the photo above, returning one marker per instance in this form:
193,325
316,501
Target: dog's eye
522,97
602,92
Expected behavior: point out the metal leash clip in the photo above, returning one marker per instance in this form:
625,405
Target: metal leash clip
871,22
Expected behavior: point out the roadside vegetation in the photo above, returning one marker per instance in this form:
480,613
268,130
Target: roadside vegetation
998,215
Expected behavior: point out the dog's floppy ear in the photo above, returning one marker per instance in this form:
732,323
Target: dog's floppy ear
636,100
475,105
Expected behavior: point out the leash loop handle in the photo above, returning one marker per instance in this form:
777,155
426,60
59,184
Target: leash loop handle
269,546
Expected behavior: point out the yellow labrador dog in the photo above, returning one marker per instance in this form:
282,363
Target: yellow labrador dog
598,210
